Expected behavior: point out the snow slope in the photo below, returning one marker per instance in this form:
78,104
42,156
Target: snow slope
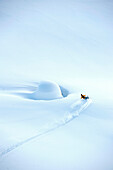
68,42
54,134
43,117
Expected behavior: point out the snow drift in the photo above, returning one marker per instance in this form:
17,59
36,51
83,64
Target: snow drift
47,90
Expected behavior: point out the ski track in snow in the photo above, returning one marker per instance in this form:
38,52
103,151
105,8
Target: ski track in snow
75,109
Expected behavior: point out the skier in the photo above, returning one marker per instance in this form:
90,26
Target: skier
84,96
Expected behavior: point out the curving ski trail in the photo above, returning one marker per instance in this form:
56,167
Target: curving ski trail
75,109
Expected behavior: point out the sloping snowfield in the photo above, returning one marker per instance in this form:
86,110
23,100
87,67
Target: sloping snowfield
51,51
24,120
42,133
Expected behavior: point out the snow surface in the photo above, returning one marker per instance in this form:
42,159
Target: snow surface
68,43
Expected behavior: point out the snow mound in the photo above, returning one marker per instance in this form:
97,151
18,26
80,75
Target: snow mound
47,90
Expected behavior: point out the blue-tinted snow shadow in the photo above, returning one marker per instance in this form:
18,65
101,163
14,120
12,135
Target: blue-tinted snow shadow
30,95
